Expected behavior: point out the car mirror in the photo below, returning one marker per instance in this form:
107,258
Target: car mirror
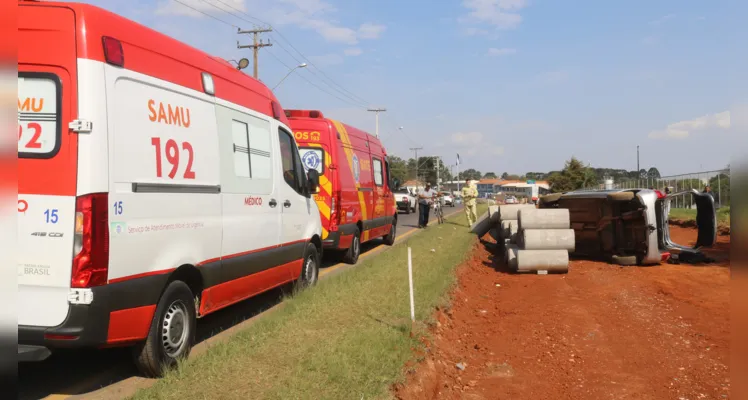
313,180
395,183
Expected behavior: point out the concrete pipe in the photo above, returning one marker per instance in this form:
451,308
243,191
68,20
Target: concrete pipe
510,256
513,230
509,211
482,226
546,239
544,218
542,260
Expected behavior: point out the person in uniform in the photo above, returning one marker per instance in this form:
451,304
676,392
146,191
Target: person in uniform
469,194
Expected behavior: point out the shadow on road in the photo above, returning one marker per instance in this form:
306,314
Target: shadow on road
74,372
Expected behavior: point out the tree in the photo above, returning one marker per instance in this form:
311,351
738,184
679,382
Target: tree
398,168
470,174
574,176
504,175
653,173
642,173
490,175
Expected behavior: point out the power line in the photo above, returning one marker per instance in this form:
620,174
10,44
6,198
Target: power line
345,92
312,83
206,14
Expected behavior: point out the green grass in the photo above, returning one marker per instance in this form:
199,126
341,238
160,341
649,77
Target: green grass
346,338
686,214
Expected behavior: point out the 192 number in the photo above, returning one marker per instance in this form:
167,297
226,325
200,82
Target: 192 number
171,150
33,143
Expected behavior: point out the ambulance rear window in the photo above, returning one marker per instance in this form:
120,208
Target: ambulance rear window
312,158
39,124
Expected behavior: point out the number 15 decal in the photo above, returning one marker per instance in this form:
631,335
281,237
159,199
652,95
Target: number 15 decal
172,156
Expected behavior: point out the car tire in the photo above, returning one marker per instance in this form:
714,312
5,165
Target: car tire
624,260
351,255
309,268
163,348
407,209
621,196
389,239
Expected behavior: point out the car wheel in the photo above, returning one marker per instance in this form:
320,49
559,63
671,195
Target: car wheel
351,255
389,240
407,209
309,268
623,260
172,332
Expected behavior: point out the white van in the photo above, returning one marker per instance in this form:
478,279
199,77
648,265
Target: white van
157,184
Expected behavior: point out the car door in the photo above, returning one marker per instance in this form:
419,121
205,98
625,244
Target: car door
297,208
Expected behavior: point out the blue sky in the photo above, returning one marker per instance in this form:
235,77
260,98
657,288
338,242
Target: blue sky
512,85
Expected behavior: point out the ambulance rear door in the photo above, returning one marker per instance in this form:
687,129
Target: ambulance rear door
47,162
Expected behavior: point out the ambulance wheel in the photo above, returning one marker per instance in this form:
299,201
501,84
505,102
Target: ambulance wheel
351,255
389,240
309,269
172,332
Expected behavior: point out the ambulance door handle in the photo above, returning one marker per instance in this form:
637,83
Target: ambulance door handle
273,203
287,204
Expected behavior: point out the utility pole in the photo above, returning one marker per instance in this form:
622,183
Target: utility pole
637,160
257,44
377,111
415,149
438,167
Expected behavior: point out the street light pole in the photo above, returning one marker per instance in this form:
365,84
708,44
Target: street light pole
302,65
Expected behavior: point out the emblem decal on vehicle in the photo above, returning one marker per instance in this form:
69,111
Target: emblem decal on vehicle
311,160
356,167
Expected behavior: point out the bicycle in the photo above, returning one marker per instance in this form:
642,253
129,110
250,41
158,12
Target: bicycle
439,210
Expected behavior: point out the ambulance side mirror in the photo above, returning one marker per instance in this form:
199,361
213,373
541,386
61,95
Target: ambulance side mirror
313,180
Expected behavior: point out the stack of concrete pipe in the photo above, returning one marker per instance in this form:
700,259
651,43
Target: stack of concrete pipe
535,240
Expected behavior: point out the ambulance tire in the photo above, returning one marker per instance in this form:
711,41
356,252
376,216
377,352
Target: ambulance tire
309,269
175,311
351,255
389,240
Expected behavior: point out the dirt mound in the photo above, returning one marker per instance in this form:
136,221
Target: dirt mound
600,331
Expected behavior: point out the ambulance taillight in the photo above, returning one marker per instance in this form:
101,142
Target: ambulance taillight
334,211
91,241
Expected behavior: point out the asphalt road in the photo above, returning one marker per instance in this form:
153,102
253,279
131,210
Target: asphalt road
109,374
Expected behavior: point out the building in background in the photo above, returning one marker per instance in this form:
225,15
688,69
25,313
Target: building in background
413,186
531,190
487,187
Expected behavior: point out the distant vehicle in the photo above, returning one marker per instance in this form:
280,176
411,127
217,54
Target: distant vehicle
405,200
630,227
354,197
156,184
510,200
448,199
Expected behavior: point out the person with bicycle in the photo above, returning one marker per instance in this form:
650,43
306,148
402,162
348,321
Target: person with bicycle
425,200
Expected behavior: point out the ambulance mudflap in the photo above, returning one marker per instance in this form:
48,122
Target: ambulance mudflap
46,222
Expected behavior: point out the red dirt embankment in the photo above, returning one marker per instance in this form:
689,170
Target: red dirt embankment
598,332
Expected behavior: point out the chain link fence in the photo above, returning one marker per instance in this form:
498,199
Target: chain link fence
718,181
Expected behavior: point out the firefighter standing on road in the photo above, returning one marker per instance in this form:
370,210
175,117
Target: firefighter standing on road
469,194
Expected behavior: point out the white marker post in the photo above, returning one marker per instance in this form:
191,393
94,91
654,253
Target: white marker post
410,281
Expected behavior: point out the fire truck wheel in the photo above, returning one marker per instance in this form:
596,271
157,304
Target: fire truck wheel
309,269
172,332
389,240
351,255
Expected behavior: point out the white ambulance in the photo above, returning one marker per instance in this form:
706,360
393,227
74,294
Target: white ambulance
157,184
